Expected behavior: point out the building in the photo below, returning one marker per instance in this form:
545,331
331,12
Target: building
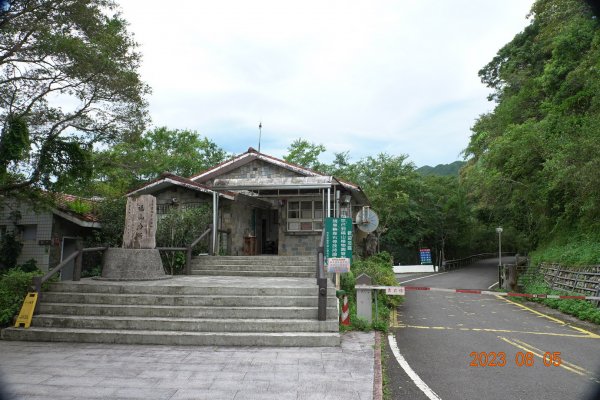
48,233
264,205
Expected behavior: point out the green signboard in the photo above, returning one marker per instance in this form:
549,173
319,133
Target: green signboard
338,244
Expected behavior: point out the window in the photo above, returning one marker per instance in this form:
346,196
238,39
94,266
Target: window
305,215
28,232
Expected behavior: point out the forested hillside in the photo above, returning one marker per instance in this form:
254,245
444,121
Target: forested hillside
452,169
534,161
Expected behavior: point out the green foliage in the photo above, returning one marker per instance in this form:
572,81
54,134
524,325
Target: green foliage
80,206
534,159
379,268
570,249
179,228
581,309
127,165
29,266
68,83
14,285
10,248
14,142
452,169
111,214
305,154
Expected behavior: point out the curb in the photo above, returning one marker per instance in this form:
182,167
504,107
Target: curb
377,377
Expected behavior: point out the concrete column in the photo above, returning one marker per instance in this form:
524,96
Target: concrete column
364,308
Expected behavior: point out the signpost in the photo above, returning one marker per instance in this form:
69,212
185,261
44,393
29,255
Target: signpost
338,244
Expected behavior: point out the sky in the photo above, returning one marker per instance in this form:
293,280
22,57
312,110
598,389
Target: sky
362,77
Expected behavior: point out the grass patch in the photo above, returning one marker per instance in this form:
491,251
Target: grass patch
582,309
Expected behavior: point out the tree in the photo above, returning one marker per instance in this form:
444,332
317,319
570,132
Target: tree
306,154
533,161
128,164
68,84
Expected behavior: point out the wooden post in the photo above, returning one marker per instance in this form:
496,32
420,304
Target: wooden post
188,261
78,261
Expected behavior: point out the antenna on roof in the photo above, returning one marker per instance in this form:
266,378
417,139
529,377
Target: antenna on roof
259,134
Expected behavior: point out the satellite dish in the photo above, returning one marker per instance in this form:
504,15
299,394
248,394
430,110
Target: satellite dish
366,220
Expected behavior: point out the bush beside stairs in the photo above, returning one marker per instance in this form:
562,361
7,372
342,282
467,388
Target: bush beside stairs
228,301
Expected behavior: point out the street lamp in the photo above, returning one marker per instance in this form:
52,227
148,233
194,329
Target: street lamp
499,231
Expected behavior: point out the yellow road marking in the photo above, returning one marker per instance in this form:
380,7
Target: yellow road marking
450,328
558,321
568,366
563,361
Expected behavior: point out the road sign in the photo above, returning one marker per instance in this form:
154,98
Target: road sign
425,256
338,244
394,291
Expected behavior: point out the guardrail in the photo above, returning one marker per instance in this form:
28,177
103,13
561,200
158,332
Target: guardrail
449,265
321,280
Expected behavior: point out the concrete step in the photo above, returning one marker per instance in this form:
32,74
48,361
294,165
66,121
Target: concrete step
184,300
286,339
213,261
254,273
183,311
243,267
224,290
184,324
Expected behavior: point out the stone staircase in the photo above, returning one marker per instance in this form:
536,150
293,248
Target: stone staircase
280,266
230,309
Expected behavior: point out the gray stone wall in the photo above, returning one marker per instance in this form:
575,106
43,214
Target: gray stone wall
184,197
257,169
237,217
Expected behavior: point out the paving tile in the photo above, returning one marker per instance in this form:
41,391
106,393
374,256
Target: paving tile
204,395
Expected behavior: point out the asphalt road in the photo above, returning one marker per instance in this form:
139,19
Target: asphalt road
437,332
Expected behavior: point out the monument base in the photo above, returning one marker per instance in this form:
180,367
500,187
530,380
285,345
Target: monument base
120,264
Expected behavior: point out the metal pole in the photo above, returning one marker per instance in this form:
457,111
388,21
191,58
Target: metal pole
499,232
328,202
215,221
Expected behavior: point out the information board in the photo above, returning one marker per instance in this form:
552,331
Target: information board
338,244
425,256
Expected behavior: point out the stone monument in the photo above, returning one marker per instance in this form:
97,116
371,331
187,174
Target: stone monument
138,259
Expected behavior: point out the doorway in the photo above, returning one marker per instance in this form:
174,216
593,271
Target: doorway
69,246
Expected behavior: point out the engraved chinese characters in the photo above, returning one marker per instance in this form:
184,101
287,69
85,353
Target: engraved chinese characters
140,223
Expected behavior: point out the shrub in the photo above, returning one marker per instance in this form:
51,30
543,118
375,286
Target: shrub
14,285
10,248
29,266
379,268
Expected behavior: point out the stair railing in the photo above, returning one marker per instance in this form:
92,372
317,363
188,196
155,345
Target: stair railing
188,249
38,281
321,280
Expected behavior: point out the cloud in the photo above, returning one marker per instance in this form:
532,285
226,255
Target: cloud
356,76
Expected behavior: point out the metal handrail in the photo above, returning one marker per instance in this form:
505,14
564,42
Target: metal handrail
460,262
188,249
188,254
38,281
321,280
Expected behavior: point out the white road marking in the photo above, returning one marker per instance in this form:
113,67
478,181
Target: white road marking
409,371
423,277
493,285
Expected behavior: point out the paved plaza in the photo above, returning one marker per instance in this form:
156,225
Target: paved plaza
33,370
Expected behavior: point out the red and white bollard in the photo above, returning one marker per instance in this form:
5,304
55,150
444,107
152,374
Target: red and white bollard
345,317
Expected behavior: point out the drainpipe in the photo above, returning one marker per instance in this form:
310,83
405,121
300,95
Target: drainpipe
215,230
329,202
